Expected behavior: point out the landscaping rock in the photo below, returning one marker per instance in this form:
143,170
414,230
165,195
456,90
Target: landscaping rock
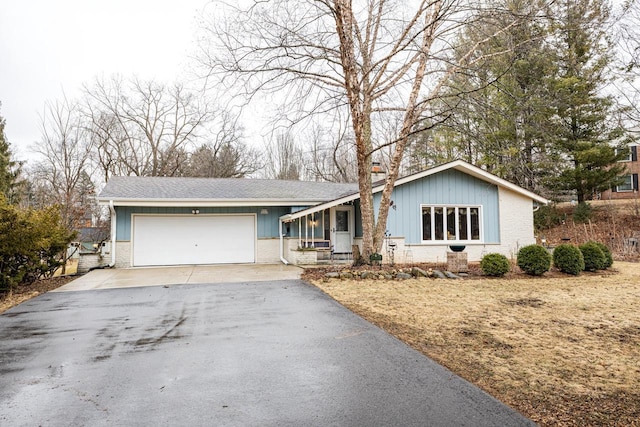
439,274
403,276
367,275
346,275
450,275
332,275
418,272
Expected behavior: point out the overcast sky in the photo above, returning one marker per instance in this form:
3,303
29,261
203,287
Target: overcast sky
51,46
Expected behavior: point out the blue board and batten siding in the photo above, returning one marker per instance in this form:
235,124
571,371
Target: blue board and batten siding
449,187
267,224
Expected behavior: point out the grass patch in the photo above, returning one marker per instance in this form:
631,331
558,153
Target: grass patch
561,350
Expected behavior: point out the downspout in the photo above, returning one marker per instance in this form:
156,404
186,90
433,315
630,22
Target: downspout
284,261
112,209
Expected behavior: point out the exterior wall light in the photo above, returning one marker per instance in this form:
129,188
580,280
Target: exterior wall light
264,211
195,211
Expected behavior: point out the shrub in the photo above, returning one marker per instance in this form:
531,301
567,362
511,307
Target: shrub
568,259
546,217
582,212
32,245
495,265
534,260
607,254
594,258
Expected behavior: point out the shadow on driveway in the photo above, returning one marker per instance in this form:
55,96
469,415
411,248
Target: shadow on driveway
270,353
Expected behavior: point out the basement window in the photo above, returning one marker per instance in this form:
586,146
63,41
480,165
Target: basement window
451,224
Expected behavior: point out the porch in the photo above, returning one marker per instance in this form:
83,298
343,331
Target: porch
321,236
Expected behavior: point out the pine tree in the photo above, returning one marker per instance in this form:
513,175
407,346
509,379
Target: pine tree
9,169
501,121
585,136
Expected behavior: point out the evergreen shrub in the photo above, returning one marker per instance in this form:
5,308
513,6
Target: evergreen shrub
534,260
33,244
594,258
607,254
495,265
568,259
582,212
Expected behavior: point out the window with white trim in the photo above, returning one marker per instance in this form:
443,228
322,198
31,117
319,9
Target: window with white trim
627,184
628,151
451,224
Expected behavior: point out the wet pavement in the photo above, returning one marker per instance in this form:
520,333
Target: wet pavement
237,354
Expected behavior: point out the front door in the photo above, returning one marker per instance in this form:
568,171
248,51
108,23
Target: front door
342,225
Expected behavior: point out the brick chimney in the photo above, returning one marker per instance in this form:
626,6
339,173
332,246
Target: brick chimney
377,174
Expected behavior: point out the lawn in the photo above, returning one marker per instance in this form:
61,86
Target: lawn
561,350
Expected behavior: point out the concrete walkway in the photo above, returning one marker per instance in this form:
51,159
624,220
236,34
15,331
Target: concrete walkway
189,274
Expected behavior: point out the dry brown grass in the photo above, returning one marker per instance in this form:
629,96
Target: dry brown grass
562,351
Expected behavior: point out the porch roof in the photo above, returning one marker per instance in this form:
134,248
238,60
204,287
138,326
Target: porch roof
318,208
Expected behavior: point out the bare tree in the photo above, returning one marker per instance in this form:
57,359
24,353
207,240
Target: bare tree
224,155
60,175
625,19
332,156
285,159
144,127
223,161
374,58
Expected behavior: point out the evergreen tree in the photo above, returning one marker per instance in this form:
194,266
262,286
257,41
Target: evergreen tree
585,136
532,109
501,122
9,169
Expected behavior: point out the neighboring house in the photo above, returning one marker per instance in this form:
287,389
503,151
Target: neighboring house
629,187
92,239
91,248
174,221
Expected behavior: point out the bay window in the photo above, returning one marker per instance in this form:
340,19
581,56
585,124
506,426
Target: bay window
451,224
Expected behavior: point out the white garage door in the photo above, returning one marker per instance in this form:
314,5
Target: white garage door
193,239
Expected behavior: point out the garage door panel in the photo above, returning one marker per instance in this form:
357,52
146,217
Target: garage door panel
198,239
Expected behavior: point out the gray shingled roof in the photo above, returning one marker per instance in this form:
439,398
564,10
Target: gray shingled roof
162,188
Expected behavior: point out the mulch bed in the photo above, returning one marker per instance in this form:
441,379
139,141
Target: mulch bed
23,293
474,273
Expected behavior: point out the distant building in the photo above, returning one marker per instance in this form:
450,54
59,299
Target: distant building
629,187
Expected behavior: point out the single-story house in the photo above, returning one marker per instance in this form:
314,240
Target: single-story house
173,221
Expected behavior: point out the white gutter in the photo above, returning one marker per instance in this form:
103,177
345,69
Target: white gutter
113,234
284,261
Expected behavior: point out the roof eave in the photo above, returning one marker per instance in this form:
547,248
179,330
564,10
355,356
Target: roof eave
460,165
319,207
473,171
206,202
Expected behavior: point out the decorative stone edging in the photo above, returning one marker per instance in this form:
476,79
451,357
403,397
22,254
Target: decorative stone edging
401,274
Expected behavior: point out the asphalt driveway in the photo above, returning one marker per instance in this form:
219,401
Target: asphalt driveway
236,354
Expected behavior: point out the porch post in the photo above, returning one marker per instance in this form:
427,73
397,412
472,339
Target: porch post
282,258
